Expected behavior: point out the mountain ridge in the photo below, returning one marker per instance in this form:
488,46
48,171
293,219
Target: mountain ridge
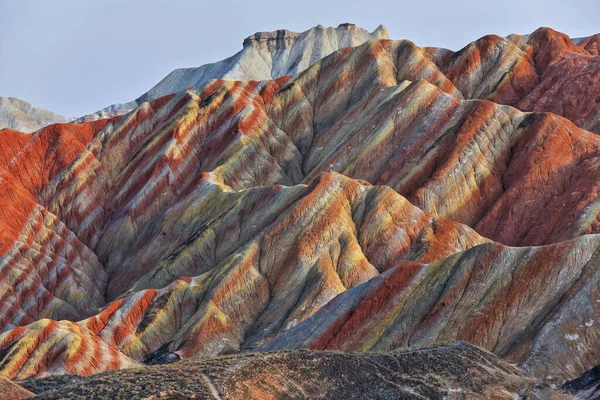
383,198
264,56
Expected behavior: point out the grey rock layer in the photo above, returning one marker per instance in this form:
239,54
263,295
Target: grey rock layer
21,116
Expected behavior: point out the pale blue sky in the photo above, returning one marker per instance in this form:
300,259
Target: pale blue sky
77,56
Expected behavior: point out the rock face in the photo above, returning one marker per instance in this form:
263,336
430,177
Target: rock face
21,116
454,371
367,204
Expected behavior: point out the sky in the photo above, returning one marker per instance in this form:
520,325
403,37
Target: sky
75,57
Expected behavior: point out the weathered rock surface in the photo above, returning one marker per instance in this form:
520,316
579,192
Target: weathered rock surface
455,371
545,71
177,214
244,288
587,386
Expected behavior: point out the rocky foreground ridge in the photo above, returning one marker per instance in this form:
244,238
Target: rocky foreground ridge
455,371
388,197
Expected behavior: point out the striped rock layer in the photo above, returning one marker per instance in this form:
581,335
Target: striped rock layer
545,71
364,205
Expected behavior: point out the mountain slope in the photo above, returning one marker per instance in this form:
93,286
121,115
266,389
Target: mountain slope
189,186
544,72
366,204
332,232
533,306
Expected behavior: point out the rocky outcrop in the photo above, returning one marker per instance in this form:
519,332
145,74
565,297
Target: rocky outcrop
544,72
179,228
21,116
455,371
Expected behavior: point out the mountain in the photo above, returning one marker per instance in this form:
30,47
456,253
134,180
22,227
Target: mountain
264,56
493,296
544,71
21,116
367,204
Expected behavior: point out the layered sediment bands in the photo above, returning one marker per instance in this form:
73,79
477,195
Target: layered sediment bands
63,347
534,306
48,152
47,272
452,371
264,56
10,144
246,289
365,204
472,161
543,72
569,79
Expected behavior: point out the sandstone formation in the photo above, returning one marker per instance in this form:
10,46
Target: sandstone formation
535,307
386,197
177,214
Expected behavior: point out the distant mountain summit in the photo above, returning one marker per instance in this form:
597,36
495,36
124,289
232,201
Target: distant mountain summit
22,116
264,56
